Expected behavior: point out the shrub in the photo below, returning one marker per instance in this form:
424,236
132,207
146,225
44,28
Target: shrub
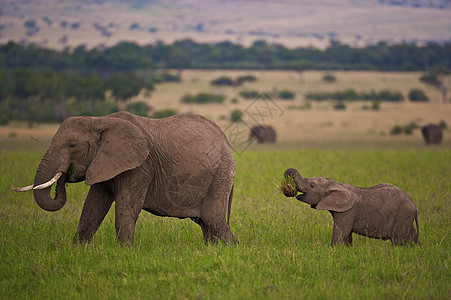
164,113
249,78
203,98
340,106
329,78
417,95
348,94
249,94
443,124
236,115
384,95
351,95
390,96
375,105
138,108
163,77
431,79
286,94
226,81
409,128
406,129
318,96
396,130
223,80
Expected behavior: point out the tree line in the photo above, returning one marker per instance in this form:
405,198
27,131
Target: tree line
128,56
45,85
52,96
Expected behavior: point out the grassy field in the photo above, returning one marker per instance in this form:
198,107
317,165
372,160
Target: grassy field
284,249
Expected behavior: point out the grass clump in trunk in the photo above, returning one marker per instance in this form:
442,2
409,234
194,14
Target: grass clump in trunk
288,186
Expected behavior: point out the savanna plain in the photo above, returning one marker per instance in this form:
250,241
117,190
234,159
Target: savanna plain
284,246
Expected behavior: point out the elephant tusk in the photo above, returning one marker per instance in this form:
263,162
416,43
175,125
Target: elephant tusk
48,183
23,189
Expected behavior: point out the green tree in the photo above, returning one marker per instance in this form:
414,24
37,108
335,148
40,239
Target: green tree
164,113
417,95
236,115
126,85
138,108
286,94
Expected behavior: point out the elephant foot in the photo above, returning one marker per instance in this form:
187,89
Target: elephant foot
213,234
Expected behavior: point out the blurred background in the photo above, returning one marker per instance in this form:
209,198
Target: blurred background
315,73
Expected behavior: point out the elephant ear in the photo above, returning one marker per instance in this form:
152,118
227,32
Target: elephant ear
122,147
339,199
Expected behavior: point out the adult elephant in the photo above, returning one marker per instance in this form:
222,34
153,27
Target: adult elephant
263,134
432,134
181,166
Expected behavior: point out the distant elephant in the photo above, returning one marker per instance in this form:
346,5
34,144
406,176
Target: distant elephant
382,211
263,134
181,166
432,134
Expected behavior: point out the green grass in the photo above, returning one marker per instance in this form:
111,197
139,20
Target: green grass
284,249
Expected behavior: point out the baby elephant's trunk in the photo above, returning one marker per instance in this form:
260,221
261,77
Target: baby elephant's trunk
291,172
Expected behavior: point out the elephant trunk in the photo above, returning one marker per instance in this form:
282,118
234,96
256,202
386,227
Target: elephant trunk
291,172
43,184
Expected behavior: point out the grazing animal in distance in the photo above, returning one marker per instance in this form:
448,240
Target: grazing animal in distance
263,134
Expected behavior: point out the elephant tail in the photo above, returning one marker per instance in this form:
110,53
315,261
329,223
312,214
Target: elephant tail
418,227
229,209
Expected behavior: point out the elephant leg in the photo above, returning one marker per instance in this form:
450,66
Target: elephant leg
127,208
125,221
213,219
341,233
205,230
214,231
349,240
96,206
403,231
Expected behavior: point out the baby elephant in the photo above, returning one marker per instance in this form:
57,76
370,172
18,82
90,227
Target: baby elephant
382,211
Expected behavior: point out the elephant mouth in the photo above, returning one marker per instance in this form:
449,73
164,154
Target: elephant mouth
72,175
301,196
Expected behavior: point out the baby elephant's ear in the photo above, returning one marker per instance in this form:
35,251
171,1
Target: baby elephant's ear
339,199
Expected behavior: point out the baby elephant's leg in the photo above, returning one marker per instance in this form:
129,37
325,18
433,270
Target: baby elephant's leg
341,234
404,231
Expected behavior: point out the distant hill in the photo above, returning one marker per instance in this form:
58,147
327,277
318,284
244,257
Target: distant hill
101,23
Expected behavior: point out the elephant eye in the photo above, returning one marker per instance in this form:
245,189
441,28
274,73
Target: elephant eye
312,185
72,145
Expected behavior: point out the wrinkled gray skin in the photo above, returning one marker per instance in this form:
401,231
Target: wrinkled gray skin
432,134
382,211
263,134
181,166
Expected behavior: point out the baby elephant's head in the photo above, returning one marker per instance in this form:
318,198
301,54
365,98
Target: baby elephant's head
322,193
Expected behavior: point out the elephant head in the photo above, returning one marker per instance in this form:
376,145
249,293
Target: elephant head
322,193
90,149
